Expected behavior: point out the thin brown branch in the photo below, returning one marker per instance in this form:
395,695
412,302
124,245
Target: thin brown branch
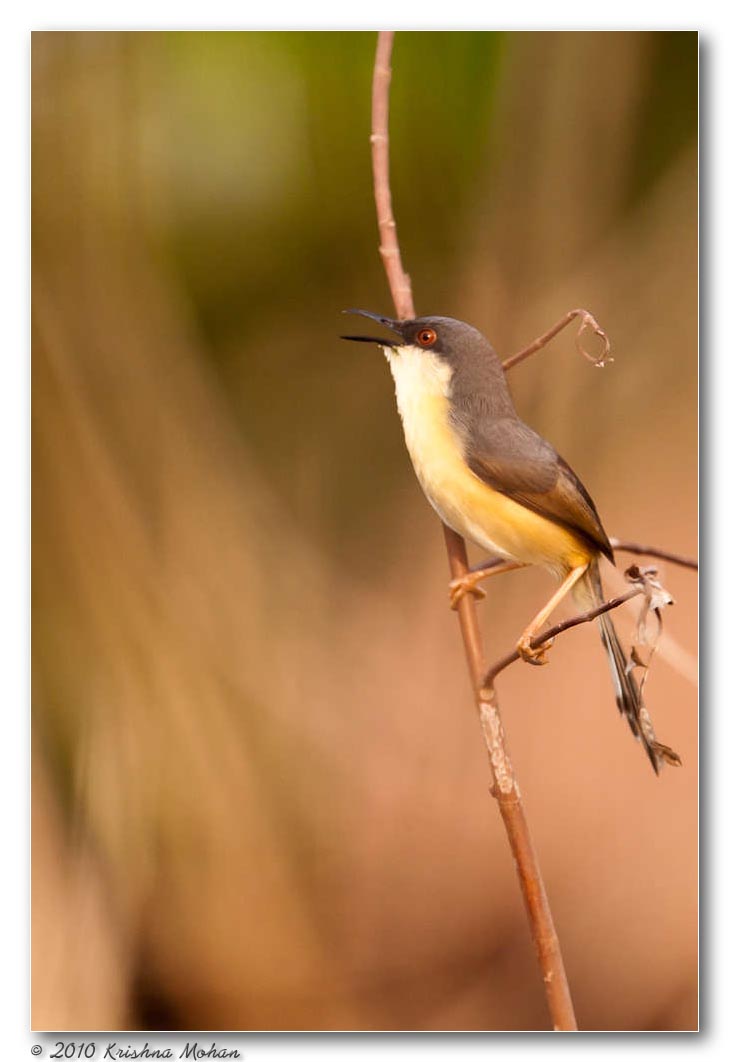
653,551
487,683
505,788
397,278
587,321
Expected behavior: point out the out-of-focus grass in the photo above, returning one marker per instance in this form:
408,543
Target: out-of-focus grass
258,783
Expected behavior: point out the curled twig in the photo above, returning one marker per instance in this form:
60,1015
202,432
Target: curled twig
587,321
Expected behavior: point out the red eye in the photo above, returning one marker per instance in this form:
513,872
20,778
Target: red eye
427,337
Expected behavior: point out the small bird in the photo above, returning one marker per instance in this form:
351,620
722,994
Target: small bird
498,483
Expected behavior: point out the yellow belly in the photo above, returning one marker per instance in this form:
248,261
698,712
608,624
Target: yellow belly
463,501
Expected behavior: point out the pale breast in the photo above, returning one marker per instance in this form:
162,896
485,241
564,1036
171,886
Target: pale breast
463,501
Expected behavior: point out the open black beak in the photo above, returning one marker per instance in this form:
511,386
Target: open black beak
386,321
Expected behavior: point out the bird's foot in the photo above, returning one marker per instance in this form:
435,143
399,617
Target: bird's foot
529,655
465,584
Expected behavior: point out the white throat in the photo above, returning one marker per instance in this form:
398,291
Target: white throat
420,376
422,388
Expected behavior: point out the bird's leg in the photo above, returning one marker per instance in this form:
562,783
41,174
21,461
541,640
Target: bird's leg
468,583
524,645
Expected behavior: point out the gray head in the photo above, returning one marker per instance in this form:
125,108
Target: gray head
476,369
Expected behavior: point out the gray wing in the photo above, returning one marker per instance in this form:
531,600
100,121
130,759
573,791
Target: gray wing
513,459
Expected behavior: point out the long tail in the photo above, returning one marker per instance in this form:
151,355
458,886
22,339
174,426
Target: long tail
627,692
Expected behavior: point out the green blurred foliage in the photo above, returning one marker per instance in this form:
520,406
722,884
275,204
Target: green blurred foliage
668,110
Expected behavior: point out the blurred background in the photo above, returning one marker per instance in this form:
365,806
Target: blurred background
260,797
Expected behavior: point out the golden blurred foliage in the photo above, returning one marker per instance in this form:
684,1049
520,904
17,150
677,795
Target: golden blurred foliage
259,795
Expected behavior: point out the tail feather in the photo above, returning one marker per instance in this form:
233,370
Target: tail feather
627,691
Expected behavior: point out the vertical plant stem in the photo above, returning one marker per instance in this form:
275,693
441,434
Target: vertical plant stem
397,278
505,788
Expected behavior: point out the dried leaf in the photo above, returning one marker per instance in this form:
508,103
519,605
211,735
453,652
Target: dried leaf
637,659
649,623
